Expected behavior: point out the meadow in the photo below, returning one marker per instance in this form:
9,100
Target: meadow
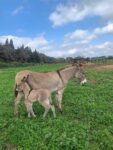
85,124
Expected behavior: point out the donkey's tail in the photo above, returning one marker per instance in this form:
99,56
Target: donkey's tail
15,91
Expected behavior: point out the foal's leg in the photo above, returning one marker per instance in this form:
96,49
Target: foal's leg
17,101
47,105
59,98
53,111
29,108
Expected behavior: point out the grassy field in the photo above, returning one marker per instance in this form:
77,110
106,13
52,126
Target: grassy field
85,124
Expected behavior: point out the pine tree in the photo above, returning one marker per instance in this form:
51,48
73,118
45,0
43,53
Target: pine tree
11,44
6,42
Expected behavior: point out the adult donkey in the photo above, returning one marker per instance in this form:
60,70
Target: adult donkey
53,81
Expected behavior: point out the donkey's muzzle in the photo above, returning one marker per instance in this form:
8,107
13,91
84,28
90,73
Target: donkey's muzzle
83,82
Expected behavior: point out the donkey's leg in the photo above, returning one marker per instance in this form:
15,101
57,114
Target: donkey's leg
29,109
52,107
17,100
59,98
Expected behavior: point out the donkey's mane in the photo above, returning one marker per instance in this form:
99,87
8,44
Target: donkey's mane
66,67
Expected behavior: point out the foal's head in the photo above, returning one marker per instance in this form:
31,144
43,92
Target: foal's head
24,86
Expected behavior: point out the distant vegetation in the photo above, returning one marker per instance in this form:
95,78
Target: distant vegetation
8,53
23,56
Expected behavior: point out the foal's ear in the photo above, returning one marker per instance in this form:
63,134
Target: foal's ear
24,79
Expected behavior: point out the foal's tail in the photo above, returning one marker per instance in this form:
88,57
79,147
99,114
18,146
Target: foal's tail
15,91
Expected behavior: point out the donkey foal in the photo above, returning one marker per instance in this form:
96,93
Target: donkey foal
43,96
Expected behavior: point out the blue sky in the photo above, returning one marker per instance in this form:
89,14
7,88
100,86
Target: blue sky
59,28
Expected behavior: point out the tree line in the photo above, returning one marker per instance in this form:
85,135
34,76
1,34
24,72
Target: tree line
8,53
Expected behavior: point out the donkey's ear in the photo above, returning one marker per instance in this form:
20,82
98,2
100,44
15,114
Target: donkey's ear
80,64
77,65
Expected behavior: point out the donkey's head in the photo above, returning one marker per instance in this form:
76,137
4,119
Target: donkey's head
80,75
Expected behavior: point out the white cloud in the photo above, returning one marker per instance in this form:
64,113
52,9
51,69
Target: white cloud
73,12
88,50
18,10
78,36
79,42
65,14
105,30
103,49
37,42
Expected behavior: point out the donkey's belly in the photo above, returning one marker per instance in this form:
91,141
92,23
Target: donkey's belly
51,87
47,82
54,89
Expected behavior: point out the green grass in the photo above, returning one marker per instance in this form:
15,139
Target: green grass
85,124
